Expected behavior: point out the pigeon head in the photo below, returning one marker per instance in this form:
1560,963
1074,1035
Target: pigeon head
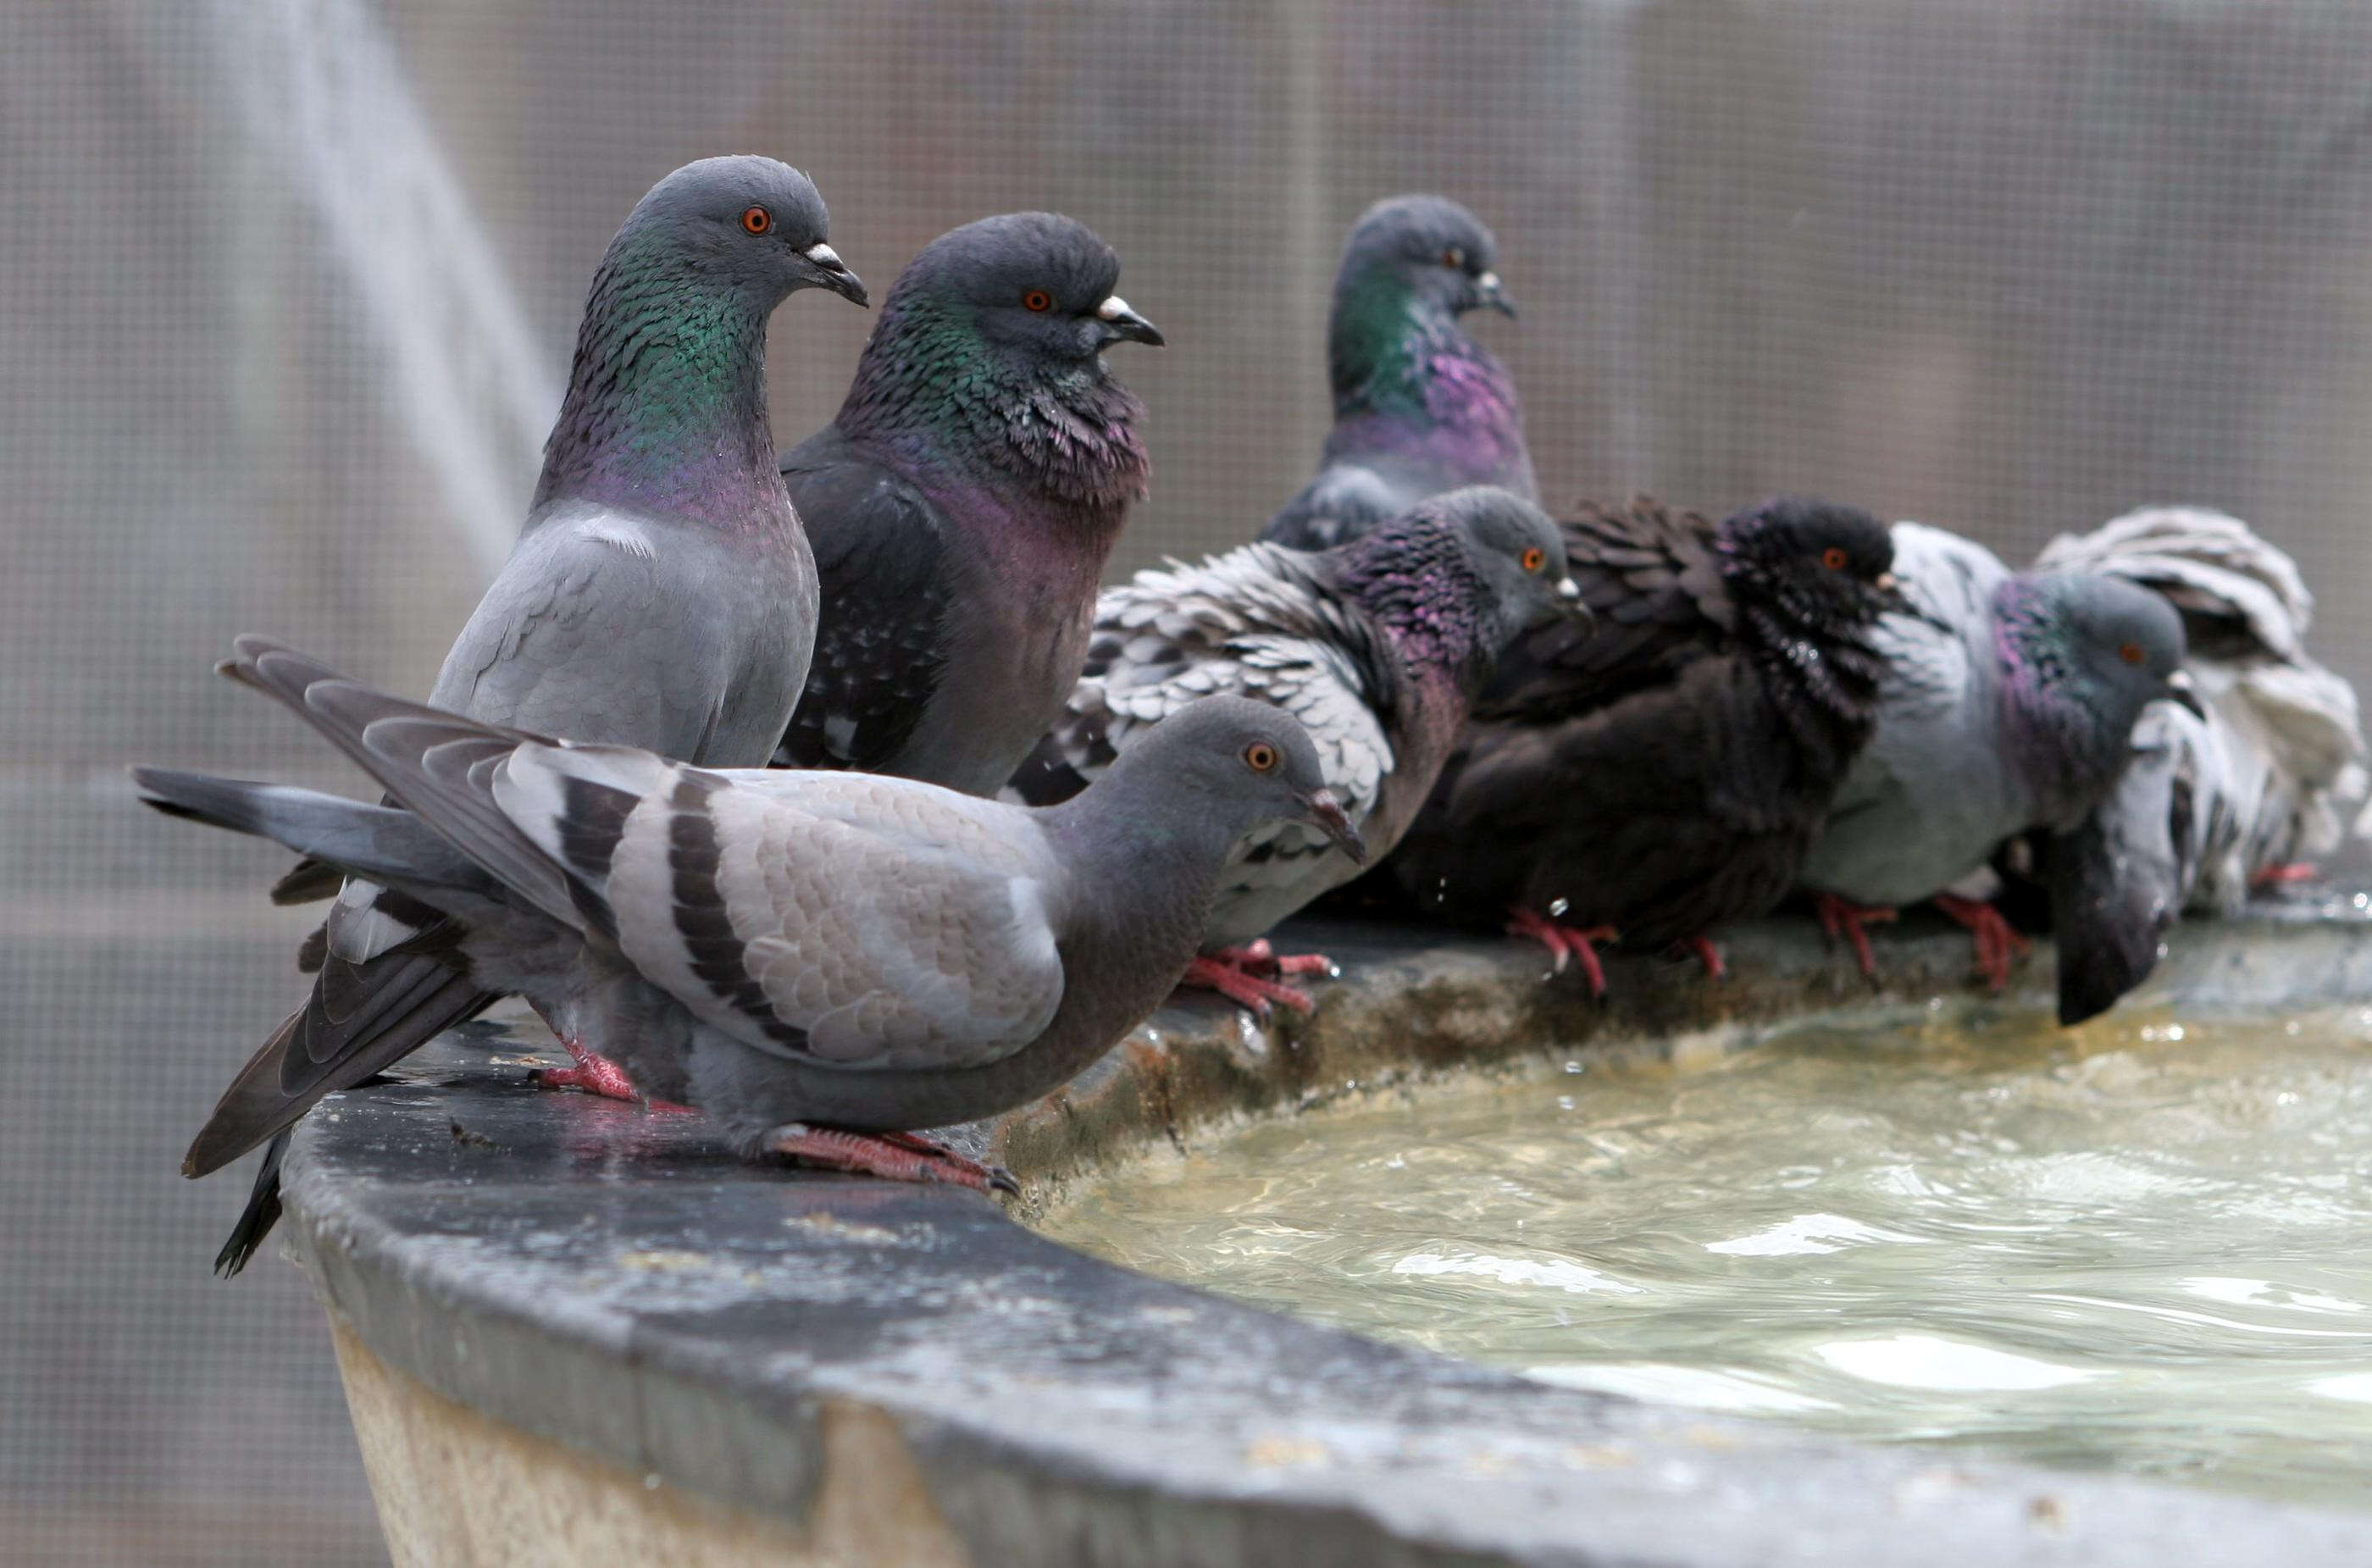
1427,249
746,223
1220,769
1517,550
1393,345
665,411
991,344
2084,654
1455,579
1821,565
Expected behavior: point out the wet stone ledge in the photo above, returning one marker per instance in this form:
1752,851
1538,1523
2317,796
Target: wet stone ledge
573,1333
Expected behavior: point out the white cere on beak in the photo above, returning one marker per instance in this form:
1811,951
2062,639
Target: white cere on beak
1568,590
1113,309
1487,282
822,255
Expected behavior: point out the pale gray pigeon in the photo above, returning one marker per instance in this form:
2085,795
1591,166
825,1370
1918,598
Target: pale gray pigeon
1380,646
2009,703
661,595
1420,407
2221,797
820,961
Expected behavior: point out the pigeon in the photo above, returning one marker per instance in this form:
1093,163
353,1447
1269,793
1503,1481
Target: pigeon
1378,646
2008,704
2235,790
963,504
1419,406
819,961
1664,771
662,594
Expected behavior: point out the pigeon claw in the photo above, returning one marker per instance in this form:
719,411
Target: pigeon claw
1838,918
2283,875
595,1074
1564,942
1997,941
1705,953
1234,973
893,1157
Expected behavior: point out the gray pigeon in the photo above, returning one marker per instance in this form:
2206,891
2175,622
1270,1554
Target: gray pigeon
963,504
1419,406
2008,702
661,595
820,961
2226,796
1380,646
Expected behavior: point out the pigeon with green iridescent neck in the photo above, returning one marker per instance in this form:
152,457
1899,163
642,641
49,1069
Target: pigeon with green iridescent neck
962,504
661,595
1420,407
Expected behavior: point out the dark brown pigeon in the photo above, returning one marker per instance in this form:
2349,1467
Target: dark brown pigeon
1662,770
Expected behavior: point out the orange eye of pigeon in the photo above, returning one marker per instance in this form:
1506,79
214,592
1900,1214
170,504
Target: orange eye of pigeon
1833,558
757,220
1038,299
1535,558
1260,757
1454,258
2130,653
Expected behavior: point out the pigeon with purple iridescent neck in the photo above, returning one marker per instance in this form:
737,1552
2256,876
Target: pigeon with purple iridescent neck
2008,704
963,504
1378,646
1420,407
661,595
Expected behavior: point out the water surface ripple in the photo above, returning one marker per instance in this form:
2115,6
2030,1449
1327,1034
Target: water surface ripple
2145,1244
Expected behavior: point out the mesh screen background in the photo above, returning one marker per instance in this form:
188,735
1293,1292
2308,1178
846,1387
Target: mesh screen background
286,288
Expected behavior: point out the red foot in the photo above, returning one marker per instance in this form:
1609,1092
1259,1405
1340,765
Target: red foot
894,1157
1258,958
1997,940
1229,974
1838,918
1707,954
1564,942
2283,875
596,1074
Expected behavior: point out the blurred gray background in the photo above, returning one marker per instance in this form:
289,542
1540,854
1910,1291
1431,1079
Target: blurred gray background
286,288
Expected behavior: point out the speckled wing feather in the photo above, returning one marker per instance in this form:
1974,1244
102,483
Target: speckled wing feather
880,647
2288,736
1652,584
1256,622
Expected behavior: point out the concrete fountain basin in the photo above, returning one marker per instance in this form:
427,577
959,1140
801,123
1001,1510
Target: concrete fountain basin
574,1333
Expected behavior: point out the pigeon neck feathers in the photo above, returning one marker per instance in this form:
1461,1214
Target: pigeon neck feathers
1405,375
2070,735
930,390
1807,632
665,411
1421,589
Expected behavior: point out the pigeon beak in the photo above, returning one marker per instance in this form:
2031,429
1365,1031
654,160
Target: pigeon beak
1119,321
2185,691
1569,606
832,272
1327,814
1494,294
